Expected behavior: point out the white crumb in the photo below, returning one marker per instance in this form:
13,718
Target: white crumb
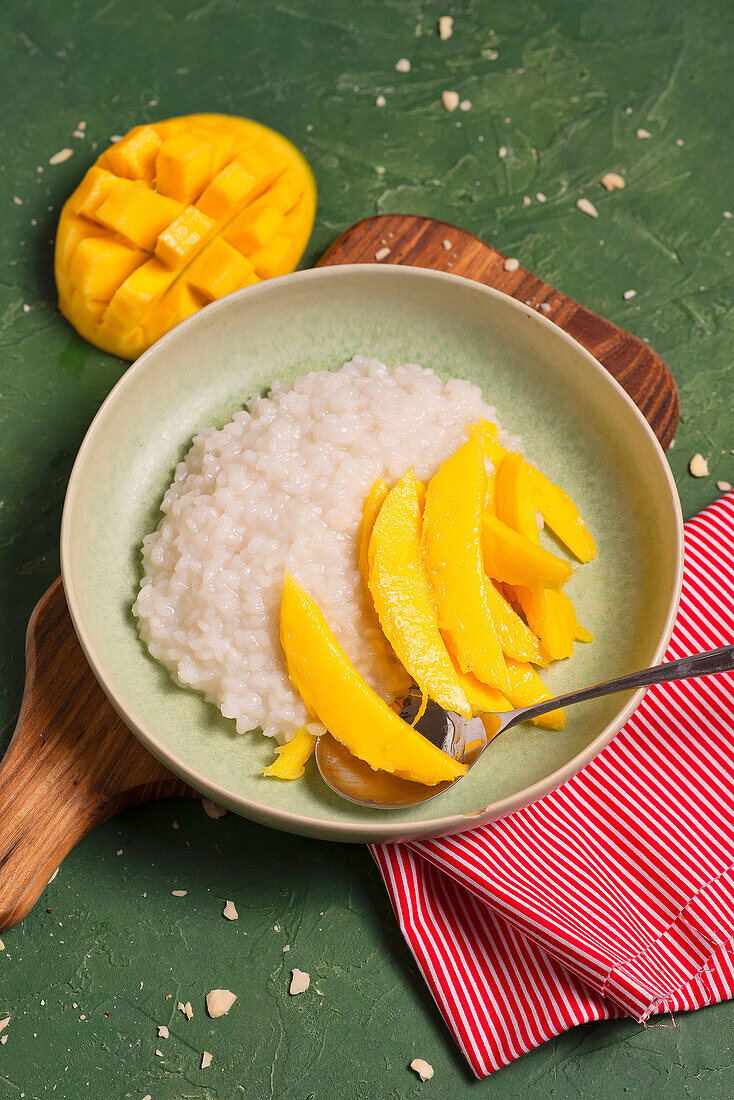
450,100
61,156
163,1032
698,466
179,893
6,1020
81,126
727,214
382,253
629,294
403,65
422,1068
159,1053
115,138
27,309
219,1002
78,134
723,486
211,809
465,105
642,133
540,196
300,981
612,181
206,1060
587,207
380,101
230,911
446,243
544,307
17,201
526,200
445,27
502,152
511,264
186,1009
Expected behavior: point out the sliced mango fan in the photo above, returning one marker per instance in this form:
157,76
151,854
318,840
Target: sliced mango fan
465,594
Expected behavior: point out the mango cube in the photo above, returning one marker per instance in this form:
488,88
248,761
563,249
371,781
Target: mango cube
179,243
183,167
218,270
136,212
134,157
92,191
255,226
99,265
141,289
229,189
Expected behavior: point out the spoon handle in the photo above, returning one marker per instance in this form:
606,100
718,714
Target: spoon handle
699,664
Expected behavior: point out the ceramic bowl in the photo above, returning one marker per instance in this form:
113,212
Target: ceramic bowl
575,421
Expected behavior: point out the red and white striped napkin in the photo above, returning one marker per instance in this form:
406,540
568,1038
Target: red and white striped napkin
613,896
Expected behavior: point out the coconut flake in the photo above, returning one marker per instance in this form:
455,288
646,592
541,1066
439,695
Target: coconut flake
230,911
511,264
300,981
465,105
219,1002
628,294
587,207
6,1020
423,1068
642,133
163,1032
445,27
206,1060
179,893
382,253
612,181
380,101
61,156
450,100
698,466
723,486
403,65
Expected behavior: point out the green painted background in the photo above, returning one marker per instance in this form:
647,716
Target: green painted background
86,983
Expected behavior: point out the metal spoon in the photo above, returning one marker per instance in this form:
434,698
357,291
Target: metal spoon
466,739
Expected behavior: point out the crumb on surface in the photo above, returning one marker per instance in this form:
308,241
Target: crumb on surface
445,27
219,1002
186,1009
382,253
423,1068
511,264
544,307
465,105
300,981
723,486
450,100
403,65
6,1020
698,466
380,101
612,181
163,1032
502,152
541,197
61,156
230,911
17,201
179,893
587,207
446,243
526,200
206,1060
642,133
629,294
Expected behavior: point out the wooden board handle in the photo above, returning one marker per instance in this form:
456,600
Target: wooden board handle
71,763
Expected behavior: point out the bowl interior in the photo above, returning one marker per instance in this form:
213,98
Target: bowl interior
575,422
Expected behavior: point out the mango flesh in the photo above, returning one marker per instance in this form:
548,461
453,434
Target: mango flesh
291,758
452,527
345,704
515,559
371,509
403,598
175,215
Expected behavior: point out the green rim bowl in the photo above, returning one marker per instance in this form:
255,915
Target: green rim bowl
575,421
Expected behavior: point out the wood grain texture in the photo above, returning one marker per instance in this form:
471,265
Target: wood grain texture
72,763
419,242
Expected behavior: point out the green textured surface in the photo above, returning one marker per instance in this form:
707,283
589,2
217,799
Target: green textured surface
564,73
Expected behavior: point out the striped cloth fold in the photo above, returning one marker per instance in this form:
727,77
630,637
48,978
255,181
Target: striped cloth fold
612,896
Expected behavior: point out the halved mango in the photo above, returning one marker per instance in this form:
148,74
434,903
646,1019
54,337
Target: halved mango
336,694
452,530
173,189
403,598
290,759
511,557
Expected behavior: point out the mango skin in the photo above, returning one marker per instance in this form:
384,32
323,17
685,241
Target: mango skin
166,196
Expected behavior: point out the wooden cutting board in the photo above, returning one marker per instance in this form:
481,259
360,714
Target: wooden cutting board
72,763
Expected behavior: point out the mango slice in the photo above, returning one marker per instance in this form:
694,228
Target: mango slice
452,526
403,598
555,506
372,506
290,759
510,557
175,215
345,704
482,698
526,688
